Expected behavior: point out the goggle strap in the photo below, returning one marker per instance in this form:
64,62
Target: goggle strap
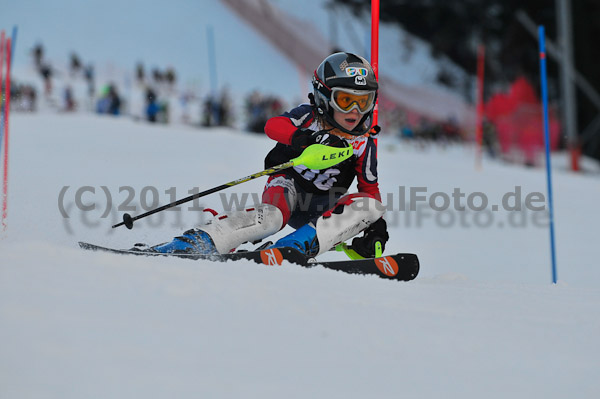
322,87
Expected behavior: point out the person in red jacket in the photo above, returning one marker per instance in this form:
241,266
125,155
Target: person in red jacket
314,202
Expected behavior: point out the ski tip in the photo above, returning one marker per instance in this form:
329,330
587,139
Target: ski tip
403,267
84,245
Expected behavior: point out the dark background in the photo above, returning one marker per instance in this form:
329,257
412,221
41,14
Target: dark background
454,29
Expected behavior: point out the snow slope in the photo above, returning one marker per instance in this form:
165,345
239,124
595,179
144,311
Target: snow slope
481,320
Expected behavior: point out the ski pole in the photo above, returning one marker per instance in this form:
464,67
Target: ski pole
316,156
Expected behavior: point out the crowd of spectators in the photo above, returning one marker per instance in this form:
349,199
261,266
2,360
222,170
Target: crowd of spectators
158,91
259,109
23,96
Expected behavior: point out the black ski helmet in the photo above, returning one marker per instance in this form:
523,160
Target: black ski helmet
344,70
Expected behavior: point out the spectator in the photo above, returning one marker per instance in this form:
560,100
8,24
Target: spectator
89,78
46,72
224,109
69,104
211,112
115,101
109,102
75,67
170,77
38,56
152,107
140,75
157,76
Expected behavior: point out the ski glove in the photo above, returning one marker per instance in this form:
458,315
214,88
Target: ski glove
365,245
304,137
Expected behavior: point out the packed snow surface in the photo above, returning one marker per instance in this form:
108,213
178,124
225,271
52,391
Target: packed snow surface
481,320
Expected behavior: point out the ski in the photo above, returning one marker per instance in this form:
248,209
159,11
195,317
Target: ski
402,267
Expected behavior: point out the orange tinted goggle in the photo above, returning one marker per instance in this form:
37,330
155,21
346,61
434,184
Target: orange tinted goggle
344,100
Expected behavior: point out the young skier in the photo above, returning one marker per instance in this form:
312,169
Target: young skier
340,114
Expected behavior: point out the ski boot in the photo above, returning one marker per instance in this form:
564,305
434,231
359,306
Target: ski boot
226,232
193,241
304,240
351,215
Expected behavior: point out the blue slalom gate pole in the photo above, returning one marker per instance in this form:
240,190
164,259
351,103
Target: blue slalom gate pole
212,59
542,41
13,44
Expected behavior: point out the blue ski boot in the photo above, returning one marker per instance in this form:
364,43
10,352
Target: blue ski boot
191,242
304,240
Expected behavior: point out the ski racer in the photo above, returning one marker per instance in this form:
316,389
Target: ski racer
314,202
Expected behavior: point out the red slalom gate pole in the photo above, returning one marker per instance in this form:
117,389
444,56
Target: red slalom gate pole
1,97
375,50
479,127
6,114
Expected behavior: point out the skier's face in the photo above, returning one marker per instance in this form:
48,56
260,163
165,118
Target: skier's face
348,121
